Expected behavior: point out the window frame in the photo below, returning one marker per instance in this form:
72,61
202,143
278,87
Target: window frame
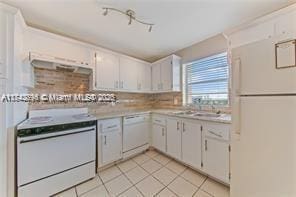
185,79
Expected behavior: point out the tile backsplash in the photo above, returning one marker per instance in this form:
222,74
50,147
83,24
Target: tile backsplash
67,82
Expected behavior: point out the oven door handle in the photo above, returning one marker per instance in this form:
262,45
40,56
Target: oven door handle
32,139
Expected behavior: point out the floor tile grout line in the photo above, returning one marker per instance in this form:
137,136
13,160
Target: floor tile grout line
104,184
149,174
76,191
166,186
132,185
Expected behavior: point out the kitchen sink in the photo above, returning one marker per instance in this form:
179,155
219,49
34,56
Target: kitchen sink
185,113
210,115
198,114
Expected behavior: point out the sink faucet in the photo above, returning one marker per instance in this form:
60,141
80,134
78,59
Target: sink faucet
213,108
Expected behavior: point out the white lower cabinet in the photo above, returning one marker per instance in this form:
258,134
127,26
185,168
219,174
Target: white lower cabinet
202,145
109,141
159,137
216,159
192,143
216,151
159,133
111,146
174,133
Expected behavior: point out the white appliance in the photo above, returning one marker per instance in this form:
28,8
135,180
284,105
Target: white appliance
263,156
56,149
40,60
135,134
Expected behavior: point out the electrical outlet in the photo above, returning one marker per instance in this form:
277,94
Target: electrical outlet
176,101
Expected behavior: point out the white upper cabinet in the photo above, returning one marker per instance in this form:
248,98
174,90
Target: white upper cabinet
121,73
128,74
144,77
279,25
58,46
166,74
106,71
156,76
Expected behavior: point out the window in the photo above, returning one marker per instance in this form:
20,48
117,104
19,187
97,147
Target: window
206,81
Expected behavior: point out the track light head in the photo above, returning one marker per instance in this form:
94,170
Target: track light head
105,12
150,28
130,20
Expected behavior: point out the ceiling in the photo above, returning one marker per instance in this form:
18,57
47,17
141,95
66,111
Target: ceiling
178,23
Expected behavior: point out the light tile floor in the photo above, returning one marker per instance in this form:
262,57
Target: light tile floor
149,174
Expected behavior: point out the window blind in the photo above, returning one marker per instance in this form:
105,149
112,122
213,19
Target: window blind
207,81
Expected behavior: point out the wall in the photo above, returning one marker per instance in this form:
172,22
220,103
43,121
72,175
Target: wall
210,46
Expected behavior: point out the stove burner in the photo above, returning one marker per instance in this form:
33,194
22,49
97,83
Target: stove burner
40,120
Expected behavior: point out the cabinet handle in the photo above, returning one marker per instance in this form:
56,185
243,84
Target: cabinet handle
113,126
162,131
206,145
183,127
178,125
105,140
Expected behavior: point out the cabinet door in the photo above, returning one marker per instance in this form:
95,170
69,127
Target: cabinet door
156,77
111,146
158,137
216,158
174,137
107,71
166,74
128,74
144,77
191,143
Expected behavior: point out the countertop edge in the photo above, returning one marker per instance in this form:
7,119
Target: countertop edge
166,113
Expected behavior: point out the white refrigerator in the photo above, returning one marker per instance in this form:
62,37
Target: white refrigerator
263,157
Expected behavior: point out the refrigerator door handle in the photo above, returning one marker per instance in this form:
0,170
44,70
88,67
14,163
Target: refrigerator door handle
236,116
236,72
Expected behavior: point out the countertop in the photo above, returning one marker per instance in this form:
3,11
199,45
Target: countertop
224,118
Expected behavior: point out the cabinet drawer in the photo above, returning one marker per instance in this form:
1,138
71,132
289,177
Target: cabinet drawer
109,125
160,120
217,131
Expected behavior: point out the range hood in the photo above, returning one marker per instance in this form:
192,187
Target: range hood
39,60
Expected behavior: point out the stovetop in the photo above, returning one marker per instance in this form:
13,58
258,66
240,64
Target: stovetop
55,119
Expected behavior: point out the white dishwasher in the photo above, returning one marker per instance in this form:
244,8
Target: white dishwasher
135,134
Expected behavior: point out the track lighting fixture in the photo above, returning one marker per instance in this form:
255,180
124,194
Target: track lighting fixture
130,14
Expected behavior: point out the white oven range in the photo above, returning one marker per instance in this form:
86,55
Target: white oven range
56,149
